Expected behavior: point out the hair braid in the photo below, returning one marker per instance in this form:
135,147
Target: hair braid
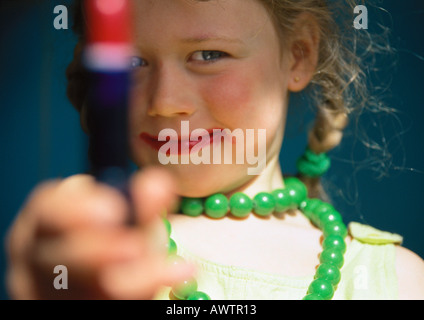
336,87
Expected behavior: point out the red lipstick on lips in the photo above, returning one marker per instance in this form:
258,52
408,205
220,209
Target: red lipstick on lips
153,141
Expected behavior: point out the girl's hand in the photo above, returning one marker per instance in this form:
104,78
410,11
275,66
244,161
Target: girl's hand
80,224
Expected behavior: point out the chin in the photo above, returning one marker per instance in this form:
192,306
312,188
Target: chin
198,181
202,180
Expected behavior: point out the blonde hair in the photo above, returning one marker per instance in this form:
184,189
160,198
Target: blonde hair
338,88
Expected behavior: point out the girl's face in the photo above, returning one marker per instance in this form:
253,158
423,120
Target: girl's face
216,64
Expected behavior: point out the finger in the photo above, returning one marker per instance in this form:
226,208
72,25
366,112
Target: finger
19,283
22,231
154,193
140,280
83,253
75,203
88,250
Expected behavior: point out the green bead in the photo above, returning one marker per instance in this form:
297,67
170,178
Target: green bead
297,190
303,205
335,228
312,296
328,217
172,246
319,210
328,272
167,226
332,256
311,164
192,206
308,207
198,295
323,207
264,204
283,201
334,241
321,287
216,206
240,205
325,213
183,290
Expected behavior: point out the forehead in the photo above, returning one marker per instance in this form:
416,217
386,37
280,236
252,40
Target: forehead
197,19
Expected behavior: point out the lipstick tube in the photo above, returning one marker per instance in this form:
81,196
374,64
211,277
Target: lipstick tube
107,59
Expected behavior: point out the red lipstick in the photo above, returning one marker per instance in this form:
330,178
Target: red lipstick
184,144
109,21
106,58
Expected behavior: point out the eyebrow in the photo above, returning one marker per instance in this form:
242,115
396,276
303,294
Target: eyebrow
201,39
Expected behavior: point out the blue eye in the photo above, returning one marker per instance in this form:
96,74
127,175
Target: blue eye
208,55
137,62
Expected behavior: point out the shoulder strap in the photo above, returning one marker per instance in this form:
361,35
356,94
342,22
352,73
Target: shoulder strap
368,234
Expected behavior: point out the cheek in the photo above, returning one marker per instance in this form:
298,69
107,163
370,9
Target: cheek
252,99
228,97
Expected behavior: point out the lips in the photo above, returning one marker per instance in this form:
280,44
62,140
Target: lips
184,144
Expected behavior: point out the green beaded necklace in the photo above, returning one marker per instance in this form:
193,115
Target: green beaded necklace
293,196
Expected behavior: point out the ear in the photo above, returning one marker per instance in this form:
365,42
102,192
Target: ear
304,49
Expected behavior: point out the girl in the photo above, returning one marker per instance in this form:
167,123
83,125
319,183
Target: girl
218,65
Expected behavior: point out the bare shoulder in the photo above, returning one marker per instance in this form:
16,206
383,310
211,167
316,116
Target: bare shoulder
410,272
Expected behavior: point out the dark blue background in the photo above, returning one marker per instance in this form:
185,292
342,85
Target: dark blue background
40,135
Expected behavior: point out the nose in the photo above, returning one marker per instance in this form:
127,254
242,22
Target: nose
170,93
